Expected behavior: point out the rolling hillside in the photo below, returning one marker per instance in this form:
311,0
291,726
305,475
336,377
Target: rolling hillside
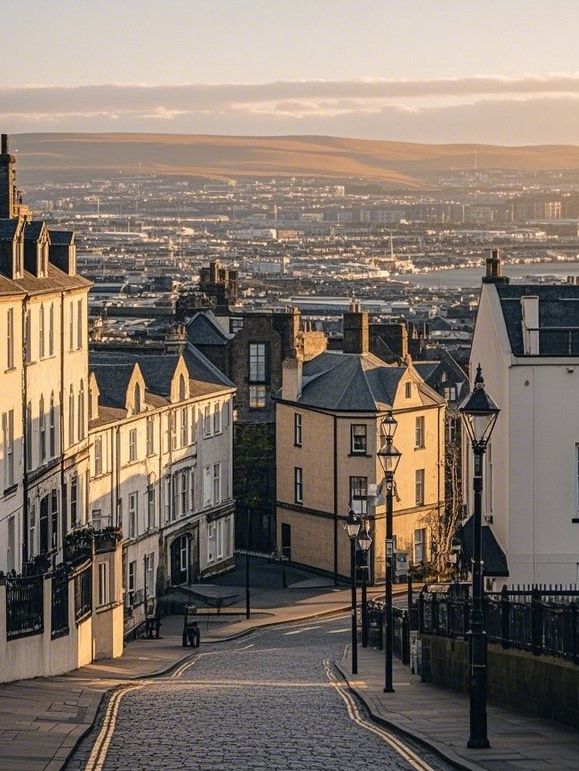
397,164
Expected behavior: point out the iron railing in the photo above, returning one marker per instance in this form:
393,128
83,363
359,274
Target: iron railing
24,606
59,604
540,620
83,594
401,625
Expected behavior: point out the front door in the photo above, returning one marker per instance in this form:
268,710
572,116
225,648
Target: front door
286,540
180,560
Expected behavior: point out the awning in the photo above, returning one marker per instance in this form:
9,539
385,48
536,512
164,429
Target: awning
494,558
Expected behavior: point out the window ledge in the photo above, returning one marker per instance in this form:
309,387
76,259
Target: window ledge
11,490
359,455
575,520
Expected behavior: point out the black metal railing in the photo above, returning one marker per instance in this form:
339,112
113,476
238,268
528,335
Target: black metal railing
59,604
541,620
24,606
83,594
402,626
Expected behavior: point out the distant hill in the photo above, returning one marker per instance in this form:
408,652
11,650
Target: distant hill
396,164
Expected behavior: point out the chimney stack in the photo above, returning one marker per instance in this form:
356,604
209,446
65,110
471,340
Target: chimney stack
494,272
7,181
530,324
291,388
356,329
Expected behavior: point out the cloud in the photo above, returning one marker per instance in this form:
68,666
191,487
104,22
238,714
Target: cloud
493,109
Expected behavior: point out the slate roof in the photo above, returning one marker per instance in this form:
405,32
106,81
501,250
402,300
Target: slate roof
61,237
349,382
33,230
157,370
495,561
558,307
203,329
112,379
8,228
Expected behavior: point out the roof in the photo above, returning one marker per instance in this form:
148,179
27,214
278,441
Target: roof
113,380
61,237
8,229
494,558
349,382
157,370
33,230
203,329
558,307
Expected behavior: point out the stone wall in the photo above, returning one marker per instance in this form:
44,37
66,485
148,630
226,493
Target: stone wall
542,686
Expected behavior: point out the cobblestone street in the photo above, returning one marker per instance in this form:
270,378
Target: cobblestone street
262,702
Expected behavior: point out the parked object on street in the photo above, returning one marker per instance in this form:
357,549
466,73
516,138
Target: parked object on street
191,633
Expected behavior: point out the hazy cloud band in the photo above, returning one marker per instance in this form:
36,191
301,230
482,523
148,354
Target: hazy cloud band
497,109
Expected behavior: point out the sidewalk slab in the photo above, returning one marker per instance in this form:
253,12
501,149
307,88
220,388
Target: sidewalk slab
439,718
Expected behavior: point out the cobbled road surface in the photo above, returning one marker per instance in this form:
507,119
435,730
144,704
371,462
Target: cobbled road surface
261,702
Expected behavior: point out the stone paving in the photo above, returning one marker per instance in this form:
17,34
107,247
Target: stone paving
263,702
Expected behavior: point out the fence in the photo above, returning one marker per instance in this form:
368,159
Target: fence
543,621
83,594
24,606
401,625
59,604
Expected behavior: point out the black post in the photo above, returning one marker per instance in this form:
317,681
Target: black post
364,602
388,615
354,614
247,592
477,637
409,588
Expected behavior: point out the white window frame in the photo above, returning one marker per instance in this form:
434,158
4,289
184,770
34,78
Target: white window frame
359,494
103,593
98,456
150,435
419,433
216,483
207,420
8,431
10,339
353,436
132,445
42,431
420,486
298,429
217,419
133,515
183,426
419,545
298,485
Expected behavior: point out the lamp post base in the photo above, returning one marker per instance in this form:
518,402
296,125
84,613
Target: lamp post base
478,744
389,690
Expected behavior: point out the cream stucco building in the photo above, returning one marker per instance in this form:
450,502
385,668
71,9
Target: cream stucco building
328,417
527,343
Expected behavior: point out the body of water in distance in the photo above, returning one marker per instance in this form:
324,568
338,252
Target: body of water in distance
471,277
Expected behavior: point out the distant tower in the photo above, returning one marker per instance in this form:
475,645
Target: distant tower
7,181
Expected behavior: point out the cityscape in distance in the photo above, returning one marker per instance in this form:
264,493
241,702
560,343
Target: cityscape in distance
289,412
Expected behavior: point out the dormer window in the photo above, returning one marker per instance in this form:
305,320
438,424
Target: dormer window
137,398
408,391
182,388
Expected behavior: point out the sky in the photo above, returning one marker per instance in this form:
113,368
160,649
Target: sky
414,70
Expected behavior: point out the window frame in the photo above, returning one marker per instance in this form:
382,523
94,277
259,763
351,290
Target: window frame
359,503
353,449
132,445
420,485
257,362
299,485
420,433
298,429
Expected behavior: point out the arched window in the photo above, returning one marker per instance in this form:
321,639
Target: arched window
182,388
51,330
70,417
137,398
41,334
81,411
42,424
52,428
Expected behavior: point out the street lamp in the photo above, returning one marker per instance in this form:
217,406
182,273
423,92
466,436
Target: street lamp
352,526
389,458
479,414
364,542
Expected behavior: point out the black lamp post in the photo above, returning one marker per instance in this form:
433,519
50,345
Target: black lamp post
353,528
364,542
389,458
479,414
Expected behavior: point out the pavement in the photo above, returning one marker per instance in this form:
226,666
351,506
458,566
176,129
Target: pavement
439,719
43,719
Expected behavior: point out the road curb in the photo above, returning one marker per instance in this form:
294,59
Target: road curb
437,748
